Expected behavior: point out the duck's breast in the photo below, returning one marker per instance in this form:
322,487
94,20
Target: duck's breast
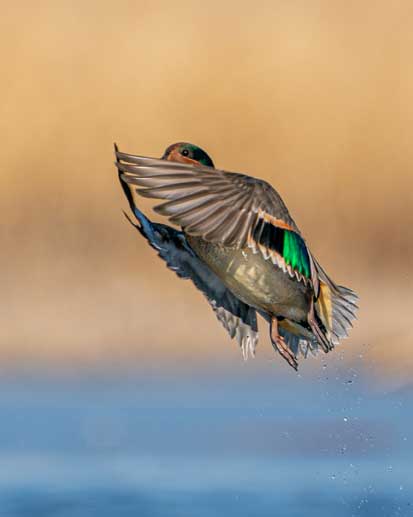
256,281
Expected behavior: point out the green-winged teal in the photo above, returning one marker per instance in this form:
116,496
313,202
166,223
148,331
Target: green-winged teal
241,248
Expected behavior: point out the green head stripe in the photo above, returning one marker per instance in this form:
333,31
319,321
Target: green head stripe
197,154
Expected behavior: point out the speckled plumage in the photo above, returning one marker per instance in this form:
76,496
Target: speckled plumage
238,230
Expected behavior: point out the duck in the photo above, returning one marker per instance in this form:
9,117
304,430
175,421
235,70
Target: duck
235,239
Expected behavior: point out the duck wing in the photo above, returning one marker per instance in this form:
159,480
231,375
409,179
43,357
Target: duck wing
238,318
222,207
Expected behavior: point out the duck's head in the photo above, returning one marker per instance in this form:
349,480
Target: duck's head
187,153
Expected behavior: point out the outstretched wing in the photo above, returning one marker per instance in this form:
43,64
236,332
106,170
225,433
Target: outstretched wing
222,207
238,318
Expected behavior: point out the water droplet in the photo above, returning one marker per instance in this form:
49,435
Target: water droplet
345,419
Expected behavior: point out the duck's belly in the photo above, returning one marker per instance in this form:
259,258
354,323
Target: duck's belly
256,281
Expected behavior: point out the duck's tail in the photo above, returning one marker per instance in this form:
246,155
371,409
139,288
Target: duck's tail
335,306
329,320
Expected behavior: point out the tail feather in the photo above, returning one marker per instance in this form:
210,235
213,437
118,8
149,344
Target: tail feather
336,306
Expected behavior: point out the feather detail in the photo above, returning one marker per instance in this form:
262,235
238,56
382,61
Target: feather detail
280,242
265,252
246,334
279,223
336,306
325,307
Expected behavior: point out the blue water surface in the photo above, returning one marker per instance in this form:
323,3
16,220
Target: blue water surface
249,442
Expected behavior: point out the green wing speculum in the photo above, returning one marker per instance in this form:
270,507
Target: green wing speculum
295,253
287,244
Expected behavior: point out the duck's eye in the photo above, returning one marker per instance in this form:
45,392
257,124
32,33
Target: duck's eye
185,152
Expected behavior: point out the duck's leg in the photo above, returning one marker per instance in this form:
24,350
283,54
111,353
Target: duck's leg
280,345
321,338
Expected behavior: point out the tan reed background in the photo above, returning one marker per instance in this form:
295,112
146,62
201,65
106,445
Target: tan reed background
316,97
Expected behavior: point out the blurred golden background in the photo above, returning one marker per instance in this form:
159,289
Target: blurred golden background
315,97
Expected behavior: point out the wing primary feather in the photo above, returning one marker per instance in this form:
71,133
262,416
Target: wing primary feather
202,227
212,232
184,204
238,231
232,227
196,215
